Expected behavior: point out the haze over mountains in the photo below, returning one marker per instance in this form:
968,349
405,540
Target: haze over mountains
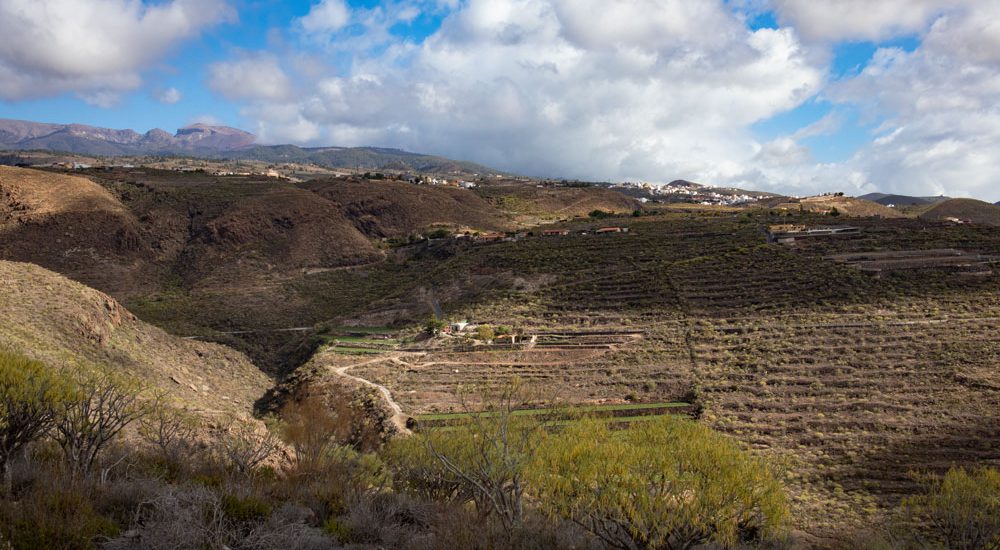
201,140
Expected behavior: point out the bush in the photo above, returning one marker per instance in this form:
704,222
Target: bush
666,483
485,333
55,515
244,509
961,510
31,395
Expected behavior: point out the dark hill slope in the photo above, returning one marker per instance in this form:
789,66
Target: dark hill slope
138,231
383,208
900,200
72,225
976,211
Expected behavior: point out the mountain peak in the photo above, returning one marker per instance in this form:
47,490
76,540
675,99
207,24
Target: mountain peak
84,139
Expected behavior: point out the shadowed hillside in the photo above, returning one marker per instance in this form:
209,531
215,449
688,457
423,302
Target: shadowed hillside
385,208
965,209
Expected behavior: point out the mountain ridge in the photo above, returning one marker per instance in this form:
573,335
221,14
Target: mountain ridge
215,142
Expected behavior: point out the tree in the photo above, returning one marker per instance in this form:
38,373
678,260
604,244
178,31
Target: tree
485,333
169,429
315,430
246,446
961,509
100,407
434,326
482,459
663,484
30,397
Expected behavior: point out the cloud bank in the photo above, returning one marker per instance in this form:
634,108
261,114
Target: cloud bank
95,48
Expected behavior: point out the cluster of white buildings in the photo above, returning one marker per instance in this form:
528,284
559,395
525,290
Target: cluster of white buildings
691,192
427,180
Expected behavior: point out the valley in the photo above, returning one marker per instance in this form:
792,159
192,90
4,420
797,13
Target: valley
850,380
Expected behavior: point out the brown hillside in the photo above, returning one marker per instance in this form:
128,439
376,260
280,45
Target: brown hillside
69,224
135,231
846,206
382,208
284,228
977,212
64,323
530,202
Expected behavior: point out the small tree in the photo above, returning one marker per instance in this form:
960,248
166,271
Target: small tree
484,458
434,326
664,484
315,431
961,509
170,430
490,451
246,446
485,333
102,405
30,397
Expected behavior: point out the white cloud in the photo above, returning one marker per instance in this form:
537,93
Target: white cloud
256,77
874,20
661,89
326,16
97,48
942,127
168,96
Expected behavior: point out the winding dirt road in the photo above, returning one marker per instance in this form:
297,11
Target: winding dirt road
398,418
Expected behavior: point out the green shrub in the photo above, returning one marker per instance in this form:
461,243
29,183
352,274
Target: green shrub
339,529
667,483
55,517
245,509
960,510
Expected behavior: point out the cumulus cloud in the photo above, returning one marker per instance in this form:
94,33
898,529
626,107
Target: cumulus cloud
326,16
834,20
168,96
941,131
256,77
97,48
660,89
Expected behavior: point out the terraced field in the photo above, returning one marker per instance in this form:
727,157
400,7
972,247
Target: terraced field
850,381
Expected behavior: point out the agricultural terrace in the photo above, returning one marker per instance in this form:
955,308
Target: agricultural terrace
852,381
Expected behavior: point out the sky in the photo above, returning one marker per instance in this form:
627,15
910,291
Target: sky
793,96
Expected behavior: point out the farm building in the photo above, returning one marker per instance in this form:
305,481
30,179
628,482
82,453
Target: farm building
490,237
787,234
555,232
900,260
612,230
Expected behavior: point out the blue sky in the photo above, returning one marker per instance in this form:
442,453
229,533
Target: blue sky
792,95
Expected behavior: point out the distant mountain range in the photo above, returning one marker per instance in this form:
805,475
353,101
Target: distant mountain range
901,200
217,142
91,140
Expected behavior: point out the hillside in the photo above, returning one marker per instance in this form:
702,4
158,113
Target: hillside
531,203
72,225
63,323
364,158
384,208
827,204
975,211
901,200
